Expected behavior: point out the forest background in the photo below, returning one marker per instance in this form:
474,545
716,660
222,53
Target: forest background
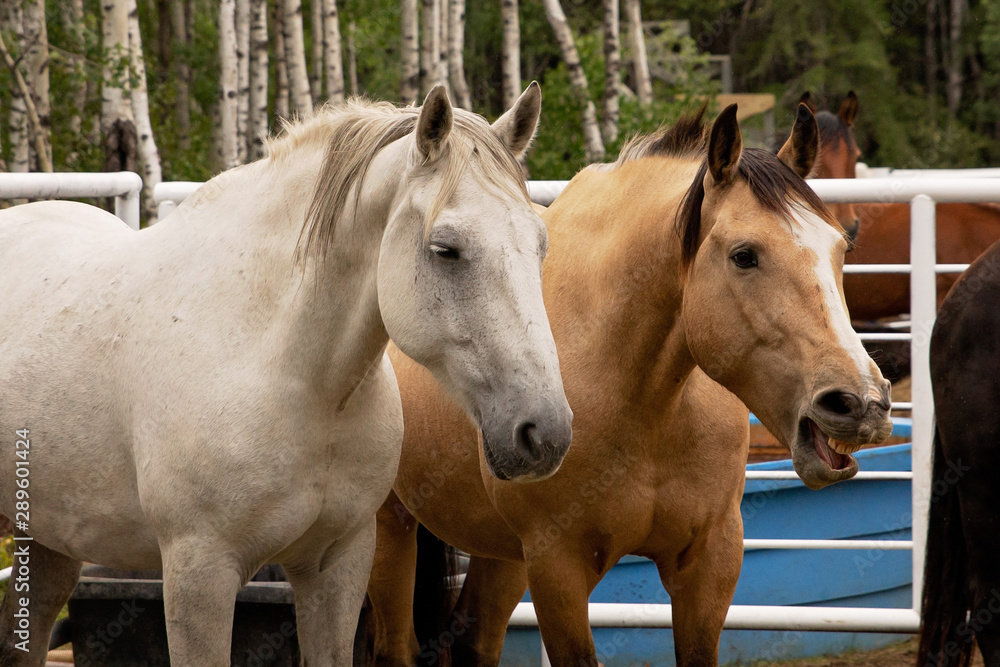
181,89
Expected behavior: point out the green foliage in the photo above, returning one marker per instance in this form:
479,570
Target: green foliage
875,47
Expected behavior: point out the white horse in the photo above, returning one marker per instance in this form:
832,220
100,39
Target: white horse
211,394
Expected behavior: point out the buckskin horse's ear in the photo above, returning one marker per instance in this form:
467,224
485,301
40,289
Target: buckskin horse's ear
434,123
725,146
516,128
807,100
849,109
802,147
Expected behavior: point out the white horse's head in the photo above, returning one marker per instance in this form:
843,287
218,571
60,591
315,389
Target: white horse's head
459,281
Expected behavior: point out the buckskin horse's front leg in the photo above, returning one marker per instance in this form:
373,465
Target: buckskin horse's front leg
329,591
560,582
701,588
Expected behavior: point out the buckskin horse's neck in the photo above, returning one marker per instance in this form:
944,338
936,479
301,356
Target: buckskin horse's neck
615,264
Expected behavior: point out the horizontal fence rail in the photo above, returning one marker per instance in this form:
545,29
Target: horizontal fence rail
124,186
744,617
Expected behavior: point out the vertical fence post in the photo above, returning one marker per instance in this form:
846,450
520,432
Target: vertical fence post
923,311
127,208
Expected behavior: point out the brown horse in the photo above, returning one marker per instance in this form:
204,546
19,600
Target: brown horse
682,282
964,231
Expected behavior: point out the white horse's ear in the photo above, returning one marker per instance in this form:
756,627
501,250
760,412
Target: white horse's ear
516,128
434,123
802,147
725,146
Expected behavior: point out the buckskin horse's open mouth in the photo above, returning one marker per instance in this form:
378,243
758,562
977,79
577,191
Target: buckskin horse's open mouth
821,459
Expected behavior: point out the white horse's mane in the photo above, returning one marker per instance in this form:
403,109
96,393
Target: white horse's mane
354,132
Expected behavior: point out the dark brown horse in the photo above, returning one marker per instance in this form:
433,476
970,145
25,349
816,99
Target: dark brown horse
964,231
962,570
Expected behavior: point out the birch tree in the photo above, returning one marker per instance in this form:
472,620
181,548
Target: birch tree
352,58
295,58
34,124
511,49
643,83
182,101
442,57
281,102
612,73
228,79
35,54
75,27
410,82
316,74
332,53
117,121
430,48
593,146
20,152
258,127
149,156
242,78
456,58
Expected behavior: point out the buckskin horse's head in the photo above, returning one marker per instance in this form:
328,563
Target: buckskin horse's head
764,307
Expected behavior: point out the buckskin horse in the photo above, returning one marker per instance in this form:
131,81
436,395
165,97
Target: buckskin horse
686,282
964,231
961,601
212,393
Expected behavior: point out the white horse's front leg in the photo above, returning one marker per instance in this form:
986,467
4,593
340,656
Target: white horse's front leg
199,596
328,602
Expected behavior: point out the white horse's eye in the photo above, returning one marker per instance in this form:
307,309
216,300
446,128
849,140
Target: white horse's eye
444,251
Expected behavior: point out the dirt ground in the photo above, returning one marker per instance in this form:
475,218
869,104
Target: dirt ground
897,655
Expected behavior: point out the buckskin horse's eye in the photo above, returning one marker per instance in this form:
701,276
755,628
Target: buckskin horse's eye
443,251
744,258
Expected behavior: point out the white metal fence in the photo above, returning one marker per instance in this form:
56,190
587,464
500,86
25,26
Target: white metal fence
124,186
922,190
922,193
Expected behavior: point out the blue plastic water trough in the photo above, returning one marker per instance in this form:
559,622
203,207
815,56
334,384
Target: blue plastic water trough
878,510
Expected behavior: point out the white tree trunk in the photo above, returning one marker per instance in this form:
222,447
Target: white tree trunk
79,84
410,84
511,60
318,36
593,145
182,103
258,126
352,58
612,73
456,56
281,102
115,93
643,83
242,78
334,59
149,156
36,60
442,61
228,79
295,58
430,49
20,161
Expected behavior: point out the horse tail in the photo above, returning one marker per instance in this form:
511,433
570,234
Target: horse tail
433,598
945,603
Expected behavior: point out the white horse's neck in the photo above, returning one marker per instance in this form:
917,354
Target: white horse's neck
330,329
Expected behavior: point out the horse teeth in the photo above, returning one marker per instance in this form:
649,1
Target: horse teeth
843,447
